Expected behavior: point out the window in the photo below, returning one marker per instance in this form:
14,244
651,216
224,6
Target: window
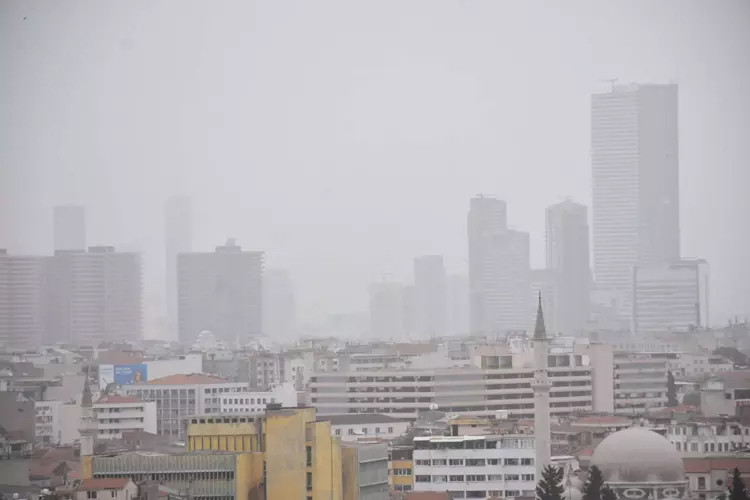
457,479
402,472
678,445
422,479
512,477
309,481
309,455
440,461
693,446
338,432
113,493
422,462
351,432
475,462
440,479
377,430
493,461
456,461
524,461
495,477
390,430
91,494
511,461
701,483
512,493
527,477
475,478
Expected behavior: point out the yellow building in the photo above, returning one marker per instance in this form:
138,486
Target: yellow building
401,468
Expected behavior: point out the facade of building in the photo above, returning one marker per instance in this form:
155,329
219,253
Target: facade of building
257,401
709,476
117,414
475,466
487,218
401,467
221,292
367,426
704,436
69,228
178,238
47,422
640,381
670,297
635,177
22,301
430,296
181,396
115,488
568,258
499,382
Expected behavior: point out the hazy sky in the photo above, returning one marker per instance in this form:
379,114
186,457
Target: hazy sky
346,137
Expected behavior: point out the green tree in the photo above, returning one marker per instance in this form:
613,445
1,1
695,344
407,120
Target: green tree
737,490
550,486
608,493
671,390
592,489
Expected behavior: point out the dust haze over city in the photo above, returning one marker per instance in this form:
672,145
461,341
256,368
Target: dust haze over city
405,250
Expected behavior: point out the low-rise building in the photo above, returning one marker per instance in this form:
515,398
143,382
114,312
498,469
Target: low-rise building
475,466
181,396
111,488
355,427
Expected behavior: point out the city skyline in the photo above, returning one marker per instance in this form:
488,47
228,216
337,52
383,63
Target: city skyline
515,130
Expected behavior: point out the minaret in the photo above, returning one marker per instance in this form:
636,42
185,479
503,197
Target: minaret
88,426
541,387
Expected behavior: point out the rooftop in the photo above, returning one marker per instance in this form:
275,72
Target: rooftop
188,379
109,483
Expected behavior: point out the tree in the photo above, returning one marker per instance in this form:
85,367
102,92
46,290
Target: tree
608,493
737,490
592,489
671,390
550,486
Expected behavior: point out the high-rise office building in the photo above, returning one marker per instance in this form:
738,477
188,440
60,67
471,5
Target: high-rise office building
70,227
670,297
278,304
221,292
389,308
104,295
635,176
487,218
568,258
178,238
430,296
22,280
457,305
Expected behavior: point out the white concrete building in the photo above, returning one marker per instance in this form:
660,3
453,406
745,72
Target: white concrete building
180,396
256,401
117,414
220,292
497,380
47,422
691,365
22,299
635,181
110,488
640,381
670,297
475,466
700,437
356,427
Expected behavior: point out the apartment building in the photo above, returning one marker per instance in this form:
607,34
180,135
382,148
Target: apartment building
640,380
475,466
181,396
708,435
480,387
117,414
367,426
256,401
401,467
47,422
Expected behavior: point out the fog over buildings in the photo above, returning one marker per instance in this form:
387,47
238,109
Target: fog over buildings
344,140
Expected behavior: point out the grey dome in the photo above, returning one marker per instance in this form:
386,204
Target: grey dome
638,455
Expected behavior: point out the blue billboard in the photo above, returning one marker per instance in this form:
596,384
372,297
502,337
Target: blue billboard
131,374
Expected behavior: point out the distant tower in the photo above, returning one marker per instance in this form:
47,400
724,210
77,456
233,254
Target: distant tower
88,425
541,387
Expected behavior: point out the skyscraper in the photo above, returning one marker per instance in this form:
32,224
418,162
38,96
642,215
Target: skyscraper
22,298
568,258
635,176
430,296
278,304
388,309
178,238
487,218
499,266
671,297
70,228
221,292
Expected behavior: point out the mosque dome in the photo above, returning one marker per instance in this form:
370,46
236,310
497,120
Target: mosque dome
638,455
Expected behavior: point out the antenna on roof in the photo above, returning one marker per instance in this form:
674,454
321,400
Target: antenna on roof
611,82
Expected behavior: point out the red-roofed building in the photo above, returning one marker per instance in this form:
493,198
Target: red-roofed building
180,396
708,477
112,488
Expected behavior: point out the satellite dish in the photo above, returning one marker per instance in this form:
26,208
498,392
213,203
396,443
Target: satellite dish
433,406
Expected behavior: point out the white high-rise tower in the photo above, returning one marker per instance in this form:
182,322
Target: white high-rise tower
541,387
88,425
